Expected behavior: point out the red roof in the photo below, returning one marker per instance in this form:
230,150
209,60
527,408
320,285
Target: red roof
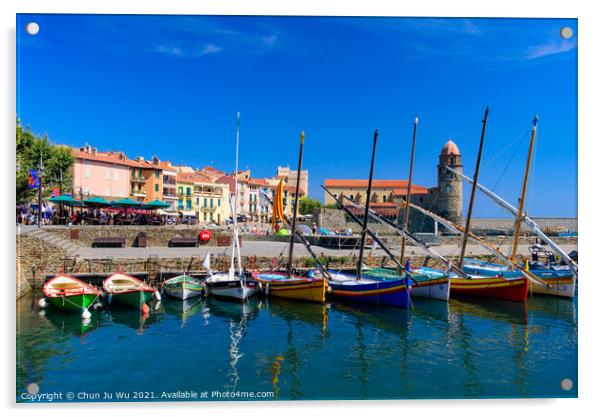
118,158
398,186
192,177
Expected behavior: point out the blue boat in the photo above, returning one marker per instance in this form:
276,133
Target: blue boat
348,287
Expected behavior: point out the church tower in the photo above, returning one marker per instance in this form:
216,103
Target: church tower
449,198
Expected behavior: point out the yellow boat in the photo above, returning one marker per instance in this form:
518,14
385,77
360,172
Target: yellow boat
278,284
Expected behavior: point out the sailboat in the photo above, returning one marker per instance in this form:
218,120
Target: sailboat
233,283
561,278
287,284
424,285
358,288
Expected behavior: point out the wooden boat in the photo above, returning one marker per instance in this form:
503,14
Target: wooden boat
424,285
183,287
69,293
390,292
128,291
232,284
280,284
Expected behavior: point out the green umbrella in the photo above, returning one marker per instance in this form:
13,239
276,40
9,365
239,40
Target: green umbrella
96,202
65,200
125,202
155,204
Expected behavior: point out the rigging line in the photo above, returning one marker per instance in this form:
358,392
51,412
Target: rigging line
507,165
520,136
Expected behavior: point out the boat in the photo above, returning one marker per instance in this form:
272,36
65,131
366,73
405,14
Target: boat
287,284
281,284
360,289
125,290
183,287
232,284
560,279
424,285
69,293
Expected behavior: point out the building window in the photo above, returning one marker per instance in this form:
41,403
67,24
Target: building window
188,205
351,197
157,187
157,174
179,190
211,204
205,216
219,202
87,170
384,198
115,175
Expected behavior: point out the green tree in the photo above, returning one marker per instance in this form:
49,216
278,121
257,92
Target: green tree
31,150
309,205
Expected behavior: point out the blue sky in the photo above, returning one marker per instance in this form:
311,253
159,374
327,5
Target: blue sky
171,86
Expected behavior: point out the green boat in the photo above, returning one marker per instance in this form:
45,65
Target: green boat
69,293
128,291
183,287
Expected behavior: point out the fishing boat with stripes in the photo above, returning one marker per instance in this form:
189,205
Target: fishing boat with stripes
125,290
232,284
360,288
423,285
287,284
560,277
69,293
183,287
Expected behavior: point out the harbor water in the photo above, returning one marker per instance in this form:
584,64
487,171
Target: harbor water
270,349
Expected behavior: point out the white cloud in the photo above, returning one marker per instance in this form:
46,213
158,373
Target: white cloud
551,48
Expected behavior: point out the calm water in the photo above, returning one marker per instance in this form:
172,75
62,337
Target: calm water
299,350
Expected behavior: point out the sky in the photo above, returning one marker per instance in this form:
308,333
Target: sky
171,86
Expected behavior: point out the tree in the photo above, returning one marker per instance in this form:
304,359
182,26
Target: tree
309,205
31,150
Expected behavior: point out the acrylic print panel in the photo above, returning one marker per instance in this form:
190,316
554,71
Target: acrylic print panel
162,162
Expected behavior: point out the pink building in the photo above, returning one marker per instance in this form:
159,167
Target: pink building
103,174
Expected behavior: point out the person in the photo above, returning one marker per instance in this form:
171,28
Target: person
314,229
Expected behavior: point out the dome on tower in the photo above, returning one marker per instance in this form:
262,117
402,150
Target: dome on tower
450,148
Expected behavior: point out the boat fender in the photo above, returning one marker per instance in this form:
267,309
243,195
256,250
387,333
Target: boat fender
267,288
42,313
157,296
97,305
43,303
260,286
157,305
145,308
86,314
329,290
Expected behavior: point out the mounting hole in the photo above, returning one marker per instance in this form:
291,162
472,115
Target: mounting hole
33,388
566,384
566,33
32,28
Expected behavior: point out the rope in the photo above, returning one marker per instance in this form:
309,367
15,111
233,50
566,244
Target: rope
508,164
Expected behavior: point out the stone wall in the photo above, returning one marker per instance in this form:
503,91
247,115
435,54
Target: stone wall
35,258
156,235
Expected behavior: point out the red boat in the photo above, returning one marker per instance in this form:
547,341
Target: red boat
511,289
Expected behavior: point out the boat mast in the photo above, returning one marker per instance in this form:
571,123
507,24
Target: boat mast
367,209
406,212
235,208
289,267
521,201
474,188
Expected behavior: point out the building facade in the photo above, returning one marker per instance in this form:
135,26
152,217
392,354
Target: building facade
103,174
388,195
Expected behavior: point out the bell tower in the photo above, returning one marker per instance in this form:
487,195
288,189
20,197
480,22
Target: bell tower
449,198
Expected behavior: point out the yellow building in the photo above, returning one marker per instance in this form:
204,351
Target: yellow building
208,201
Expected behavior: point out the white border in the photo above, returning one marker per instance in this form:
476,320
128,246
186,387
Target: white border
590,152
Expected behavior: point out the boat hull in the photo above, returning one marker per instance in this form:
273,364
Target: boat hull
230,288
559,287
183,287
491,287
297,288
426,286
392,293
133,299
72,302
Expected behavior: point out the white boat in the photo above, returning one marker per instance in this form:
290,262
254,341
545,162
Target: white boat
183,287
232,284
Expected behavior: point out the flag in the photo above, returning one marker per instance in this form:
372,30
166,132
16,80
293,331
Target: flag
278,208
33,181
55,192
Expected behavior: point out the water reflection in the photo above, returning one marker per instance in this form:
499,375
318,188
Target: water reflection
464,348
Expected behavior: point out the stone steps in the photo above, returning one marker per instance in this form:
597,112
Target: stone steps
71,248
